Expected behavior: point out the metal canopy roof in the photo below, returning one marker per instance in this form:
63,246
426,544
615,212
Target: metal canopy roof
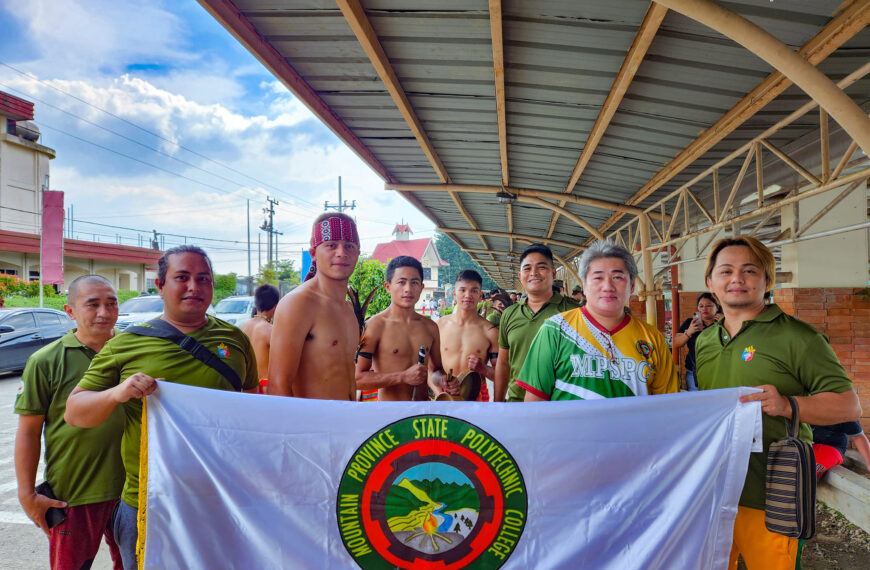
606,103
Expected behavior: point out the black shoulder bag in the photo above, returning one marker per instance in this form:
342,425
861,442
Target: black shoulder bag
158,328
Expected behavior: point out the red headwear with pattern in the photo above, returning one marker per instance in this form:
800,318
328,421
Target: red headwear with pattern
333,228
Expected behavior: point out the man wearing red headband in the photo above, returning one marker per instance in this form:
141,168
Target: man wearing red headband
315,332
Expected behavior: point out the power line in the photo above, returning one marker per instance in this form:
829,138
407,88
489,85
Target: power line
131,123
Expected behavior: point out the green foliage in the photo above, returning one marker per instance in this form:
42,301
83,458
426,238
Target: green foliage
267,275
286,272
458,260
10,285
56,302
227,281
369,274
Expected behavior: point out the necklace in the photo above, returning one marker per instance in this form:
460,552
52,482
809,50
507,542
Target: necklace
264,317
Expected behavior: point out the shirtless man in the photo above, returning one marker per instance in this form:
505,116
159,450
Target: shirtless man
392,339
259,329
468,341
315,333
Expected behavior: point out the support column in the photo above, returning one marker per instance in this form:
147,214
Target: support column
648,273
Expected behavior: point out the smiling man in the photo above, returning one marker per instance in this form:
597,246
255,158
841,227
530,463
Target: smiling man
468,341
389,350
520,322
315,331
599,351
756,344
129,365
83,467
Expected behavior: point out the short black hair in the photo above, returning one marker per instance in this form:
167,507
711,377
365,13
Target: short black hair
403,261
469,275
266,297
77,283
537,248
163,262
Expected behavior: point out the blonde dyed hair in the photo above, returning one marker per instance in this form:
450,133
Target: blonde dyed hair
761,252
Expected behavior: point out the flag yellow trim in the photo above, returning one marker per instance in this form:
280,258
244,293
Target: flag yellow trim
143,487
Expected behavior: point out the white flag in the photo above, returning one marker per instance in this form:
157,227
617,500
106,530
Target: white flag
247,481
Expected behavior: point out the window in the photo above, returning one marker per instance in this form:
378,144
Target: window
8,271
427,273
20,321
47,319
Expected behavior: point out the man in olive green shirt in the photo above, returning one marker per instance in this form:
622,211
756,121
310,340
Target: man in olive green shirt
520,322
185,281
82,466
756,344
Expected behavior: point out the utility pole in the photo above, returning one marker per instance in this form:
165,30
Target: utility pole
341,206
268,226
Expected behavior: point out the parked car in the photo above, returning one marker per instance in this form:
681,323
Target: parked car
142,308
24,330
235,310
138,310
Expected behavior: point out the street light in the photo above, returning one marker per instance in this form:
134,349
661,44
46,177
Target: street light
505,197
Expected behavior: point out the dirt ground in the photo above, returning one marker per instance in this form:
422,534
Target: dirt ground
838,544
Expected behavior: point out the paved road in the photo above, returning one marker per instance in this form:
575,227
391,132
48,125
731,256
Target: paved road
22,545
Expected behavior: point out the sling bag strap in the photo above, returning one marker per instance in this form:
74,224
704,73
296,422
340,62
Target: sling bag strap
158,328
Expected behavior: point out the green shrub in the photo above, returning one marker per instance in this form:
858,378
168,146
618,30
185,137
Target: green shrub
10,285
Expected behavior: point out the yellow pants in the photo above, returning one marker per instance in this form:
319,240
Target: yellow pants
760,548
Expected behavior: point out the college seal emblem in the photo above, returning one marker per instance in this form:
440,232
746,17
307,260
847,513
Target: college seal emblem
431,491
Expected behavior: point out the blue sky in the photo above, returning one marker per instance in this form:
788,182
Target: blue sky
162,120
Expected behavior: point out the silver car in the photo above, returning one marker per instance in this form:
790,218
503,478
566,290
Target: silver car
235,310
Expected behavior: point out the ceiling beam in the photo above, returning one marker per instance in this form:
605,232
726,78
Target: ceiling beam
636,53
358,21
495,26
853,18
356,18
545,194
225,12
518,237
568,214
766,46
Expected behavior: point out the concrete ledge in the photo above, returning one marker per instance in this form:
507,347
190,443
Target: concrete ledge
848,493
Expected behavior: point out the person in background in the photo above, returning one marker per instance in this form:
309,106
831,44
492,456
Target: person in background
830,444
577,295
259,329
500,302
689,330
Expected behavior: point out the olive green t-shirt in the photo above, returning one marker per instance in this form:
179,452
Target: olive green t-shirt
773,348
517,329
82,465
127,354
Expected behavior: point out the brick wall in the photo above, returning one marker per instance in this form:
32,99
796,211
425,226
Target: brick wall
842,314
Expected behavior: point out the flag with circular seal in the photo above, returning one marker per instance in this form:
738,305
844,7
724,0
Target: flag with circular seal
431,491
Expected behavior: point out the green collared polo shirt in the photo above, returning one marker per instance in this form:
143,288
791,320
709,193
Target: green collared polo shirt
773,348
82,465
517,330
127,354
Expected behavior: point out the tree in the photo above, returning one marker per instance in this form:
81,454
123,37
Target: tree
224,286
369,274
267,275
458,260
286,272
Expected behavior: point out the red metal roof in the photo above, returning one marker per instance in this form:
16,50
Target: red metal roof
384,252
15,108
402,228
29,243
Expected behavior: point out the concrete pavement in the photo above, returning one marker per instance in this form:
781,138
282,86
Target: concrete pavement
23,545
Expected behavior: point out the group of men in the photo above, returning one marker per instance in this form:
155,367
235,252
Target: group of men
545,346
